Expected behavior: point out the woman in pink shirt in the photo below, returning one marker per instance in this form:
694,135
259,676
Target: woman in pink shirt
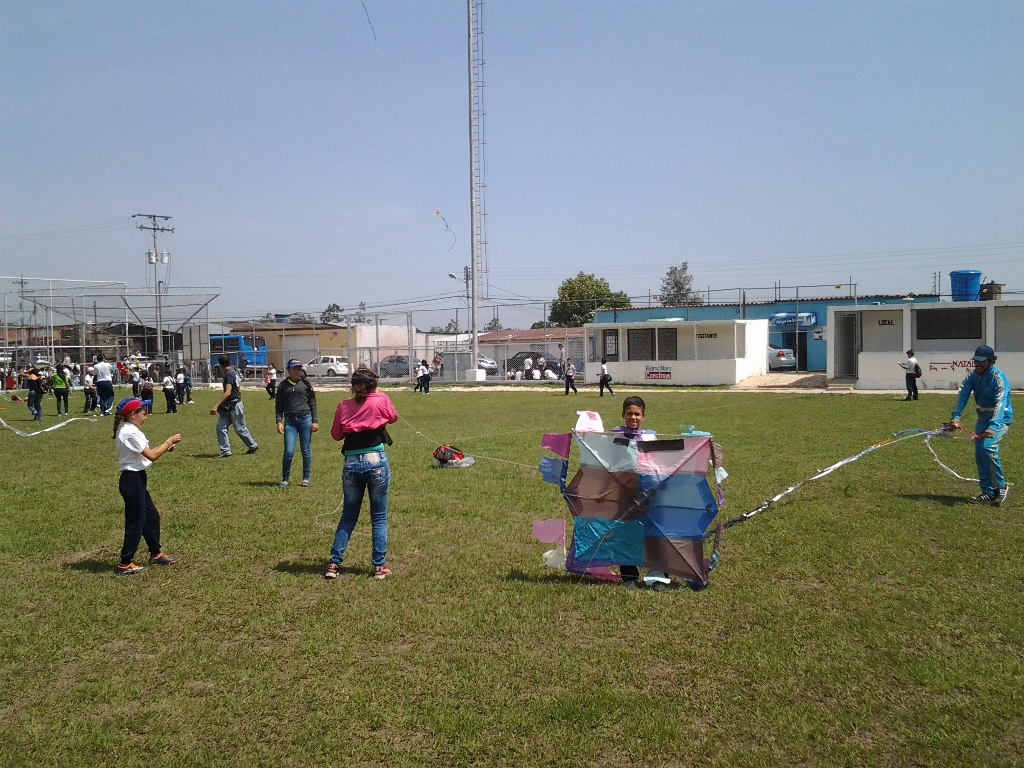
362,424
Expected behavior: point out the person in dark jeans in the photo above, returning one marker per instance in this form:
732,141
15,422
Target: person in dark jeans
913,372
570,376
297,419
60,383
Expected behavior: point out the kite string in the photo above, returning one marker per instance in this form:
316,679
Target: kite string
487,458
19,433
899,437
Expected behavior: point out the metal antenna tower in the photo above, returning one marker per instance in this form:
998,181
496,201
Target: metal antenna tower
477,167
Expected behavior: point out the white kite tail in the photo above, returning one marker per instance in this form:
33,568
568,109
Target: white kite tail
897,438
928,443
19,433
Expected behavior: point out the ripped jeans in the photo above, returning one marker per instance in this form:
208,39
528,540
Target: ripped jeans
364,472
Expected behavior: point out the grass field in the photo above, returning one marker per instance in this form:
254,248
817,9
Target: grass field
873,618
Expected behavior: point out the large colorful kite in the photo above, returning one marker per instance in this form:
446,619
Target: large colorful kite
640,502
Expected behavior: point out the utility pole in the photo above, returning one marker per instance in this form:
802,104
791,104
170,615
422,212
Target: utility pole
154,258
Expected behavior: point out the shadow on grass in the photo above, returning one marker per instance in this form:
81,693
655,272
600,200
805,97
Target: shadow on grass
264,483
946,501
91,566
300,569
204,455
557,578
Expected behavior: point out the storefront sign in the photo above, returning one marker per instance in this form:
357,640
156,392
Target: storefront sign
657,372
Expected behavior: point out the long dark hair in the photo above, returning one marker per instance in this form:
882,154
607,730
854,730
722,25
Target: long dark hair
118,421
303,378
364,382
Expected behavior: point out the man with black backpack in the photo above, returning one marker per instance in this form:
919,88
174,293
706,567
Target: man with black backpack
913,374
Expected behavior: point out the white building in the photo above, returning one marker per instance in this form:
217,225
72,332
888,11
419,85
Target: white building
677,352
866,344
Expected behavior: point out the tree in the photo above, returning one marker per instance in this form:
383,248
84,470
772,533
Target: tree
360,316
494,324
332,314
677,287
452,327
579,296
301,317
543,324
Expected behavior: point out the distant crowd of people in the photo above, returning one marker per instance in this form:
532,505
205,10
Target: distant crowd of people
96,382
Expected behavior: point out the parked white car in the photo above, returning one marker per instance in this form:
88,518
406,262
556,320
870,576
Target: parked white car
327,365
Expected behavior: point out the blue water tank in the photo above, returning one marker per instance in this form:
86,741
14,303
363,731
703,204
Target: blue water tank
965,284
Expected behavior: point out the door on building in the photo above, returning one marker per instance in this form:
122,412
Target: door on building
797,341
847,344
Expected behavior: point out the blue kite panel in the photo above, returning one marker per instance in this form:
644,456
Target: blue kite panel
679,507
676,523
681,490
554,471
607,542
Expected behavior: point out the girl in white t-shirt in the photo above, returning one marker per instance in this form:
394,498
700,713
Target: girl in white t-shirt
169,392
134,457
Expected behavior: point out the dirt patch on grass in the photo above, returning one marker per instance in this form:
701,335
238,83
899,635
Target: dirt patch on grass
784,381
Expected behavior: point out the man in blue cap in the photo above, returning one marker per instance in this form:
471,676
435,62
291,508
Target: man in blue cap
992,395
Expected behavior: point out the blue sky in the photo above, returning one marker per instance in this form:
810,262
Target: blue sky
303,160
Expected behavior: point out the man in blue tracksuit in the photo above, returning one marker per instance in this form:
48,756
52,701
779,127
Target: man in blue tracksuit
992,395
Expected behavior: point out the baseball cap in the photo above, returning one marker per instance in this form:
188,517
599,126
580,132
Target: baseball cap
129,405
983,353
293,363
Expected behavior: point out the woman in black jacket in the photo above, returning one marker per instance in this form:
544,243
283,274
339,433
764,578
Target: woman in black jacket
296,419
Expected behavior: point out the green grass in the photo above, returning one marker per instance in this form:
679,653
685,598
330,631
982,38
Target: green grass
873,618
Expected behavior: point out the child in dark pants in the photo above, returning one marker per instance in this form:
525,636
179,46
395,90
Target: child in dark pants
633,414
134,457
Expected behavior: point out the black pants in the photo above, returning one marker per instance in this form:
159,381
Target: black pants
180,388
172,406
605,383
62,397
141,520
90,400
629,572
911,387
272,389
135,388
570,382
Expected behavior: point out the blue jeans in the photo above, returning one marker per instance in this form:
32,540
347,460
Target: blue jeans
986,455
302,429
35,404
105,391
236,419
366,471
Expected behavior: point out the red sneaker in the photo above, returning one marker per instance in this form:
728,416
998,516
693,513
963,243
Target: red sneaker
128,570
333,570
381,571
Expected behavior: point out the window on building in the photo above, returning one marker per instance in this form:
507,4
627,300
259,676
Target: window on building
949,323
667,339
611,346
640,343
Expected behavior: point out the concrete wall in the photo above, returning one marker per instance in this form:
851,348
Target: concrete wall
708,353
817,349
944,362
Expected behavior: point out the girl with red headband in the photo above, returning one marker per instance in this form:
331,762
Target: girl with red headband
134,457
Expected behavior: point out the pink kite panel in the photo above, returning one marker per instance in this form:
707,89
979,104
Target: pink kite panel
559,444
691,460
549,531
